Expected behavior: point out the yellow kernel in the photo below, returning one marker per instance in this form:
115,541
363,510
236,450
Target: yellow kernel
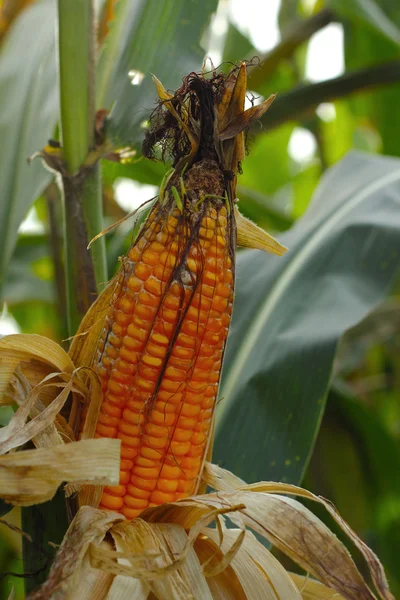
154,286
152,360
171,471
190,410
145,312
157,431
130,441
221,241
170,397
193,328
162,272
105,419
142,483
148,452
148,386
208,223
163,418
192,264
126,305
198,438
142,461
159,338
142,271
136,492
182,353
111,410
130,513
145,297
207,290
134,254
187,423
157,247
170,386
135,332
172,302
159,443
111,502
169,315
139,503
129,356
116,490
182,435
168,259
187,341
146,472
117,388
134,284
156,351
175,374
122,318
167,485
150,258
128,428
206,234
159,497
180,448
106,431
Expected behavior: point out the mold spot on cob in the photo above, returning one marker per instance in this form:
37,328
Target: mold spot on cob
160,354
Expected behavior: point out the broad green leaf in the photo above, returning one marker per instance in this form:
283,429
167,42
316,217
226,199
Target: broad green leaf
30,272
354,463
290,313
267,166
148,37
377,110
237,46
304,184
370,12
28,109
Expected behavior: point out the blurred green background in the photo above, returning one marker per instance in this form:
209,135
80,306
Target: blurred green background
336,67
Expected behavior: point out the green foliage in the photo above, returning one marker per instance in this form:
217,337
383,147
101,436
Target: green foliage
291,312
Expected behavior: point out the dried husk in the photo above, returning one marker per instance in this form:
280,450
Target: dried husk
33,476
171,552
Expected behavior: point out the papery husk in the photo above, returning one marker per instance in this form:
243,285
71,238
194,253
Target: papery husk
313,590
25,348
171,552
66,576
249,235
19,430
33,476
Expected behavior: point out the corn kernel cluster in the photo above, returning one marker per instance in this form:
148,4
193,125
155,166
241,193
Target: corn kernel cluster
160,355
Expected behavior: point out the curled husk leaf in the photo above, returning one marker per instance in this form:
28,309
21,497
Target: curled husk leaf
172,552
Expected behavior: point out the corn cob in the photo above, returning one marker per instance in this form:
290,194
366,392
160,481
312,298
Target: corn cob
160,355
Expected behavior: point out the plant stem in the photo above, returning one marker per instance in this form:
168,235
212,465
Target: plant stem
93,214
74,45
83,213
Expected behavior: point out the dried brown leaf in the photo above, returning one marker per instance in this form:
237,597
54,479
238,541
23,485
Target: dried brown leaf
244,119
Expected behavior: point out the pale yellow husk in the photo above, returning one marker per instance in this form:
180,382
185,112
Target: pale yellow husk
33,476
171,551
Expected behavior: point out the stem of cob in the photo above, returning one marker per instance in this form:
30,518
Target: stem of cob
160,354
